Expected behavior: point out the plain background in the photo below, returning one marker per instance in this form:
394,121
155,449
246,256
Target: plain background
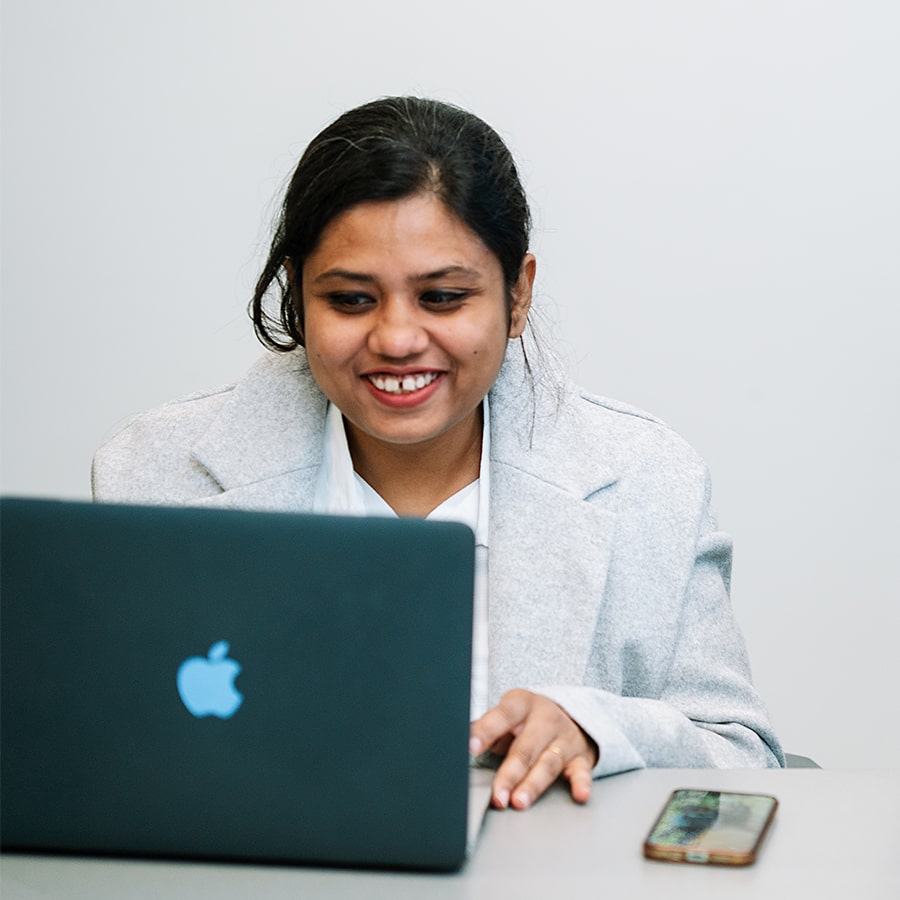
716,192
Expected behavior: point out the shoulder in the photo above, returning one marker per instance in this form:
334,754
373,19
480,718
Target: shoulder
629,434
151,459
571,421
537,400
183,418
632,463
656,470
551,429
149,456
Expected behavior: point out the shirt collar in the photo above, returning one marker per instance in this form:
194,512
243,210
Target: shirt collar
340,491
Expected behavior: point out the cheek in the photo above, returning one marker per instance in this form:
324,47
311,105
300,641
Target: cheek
329,366
485,350
326,343
484,336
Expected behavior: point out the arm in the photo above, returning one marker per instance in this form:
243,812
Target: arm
668,683
707,713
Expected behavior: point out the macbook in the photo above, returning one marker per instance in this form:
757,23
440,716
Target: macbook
221,684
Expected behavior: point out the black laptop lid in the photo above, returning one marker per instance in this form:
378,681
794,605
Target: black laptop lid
343,644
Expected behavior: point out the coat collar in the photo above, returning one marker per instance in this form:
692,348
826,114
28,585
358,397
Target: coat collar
273,427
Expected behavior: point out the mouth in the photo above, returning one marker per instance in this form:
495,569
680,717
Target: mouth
403,384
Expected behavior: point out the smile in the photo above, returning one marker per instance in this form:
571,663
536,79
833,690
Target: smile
402,384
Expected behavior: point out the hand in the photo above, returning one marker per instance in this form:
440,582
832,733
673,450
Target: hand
540,743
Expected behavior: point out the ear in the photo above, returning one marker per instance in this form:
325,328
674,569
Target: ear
289,268
521,296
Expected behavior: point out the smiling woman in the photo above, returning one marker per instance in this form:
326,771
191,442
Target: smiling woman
603,633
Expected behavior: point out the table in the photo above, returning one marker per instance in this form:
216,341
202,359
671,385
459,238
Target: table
836,834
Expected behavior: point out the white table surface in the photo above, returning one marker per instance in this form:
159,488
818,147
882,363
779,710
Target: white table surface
836,834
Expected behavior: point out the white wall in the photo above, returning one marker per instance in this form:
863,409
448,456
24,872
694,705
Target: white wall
717,200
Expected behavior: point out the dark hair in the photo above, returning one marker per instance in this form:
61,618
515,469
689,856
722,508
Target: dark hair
387,150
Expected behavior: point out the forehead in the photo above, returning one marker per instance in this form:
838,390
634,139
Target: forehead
413,232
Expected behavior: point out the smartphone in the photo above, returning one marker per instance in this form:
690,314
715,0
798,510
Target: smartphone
719,827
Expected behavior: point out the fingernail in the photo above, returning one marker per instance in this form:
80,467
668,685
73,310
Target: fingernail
523,798
474,746
503,798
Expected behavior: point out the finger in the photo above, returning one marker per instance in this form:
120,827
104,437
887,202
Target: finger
549,765
535,759
579,775
504,720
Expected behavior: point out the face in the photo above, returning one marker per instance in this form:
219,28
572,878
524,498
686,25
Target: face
406,319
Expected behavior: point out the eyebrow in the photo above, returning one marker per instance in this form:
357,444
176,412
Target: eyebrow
365,278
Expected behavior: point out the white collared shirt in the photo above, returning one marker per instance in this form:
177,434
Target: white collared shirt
340,491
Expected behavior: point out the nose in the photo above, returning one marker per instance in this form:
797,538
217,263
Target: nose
398,331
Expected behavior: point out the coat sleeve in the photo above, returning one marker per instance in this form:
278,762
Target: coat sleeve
704,711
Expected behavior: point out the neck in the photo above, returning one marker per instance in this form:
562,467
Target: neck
414,479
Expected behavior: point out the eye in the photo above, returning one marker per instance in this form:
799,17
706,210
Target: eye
443,299
350,301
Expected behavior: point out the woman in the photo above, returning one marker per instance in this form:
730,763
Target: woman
604,638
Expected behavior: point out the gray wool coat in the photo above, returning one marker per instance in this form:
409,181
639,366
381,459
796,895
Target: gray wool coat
608,577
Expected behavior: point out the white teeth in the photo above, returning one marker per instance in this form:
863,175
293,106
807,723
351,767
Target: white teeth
393,384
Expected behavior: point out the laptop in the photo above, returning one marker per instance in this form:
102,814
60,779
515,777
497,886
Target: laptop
232,685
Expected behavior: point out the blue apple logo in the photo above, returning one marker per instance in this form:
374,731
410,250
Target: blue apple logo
206,686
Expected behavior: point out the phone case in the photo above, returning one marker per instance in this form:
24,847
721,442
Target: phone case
713,827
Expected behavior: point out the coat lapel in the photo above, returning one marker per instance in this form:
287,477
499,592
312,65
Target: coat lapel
265,447
544,596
